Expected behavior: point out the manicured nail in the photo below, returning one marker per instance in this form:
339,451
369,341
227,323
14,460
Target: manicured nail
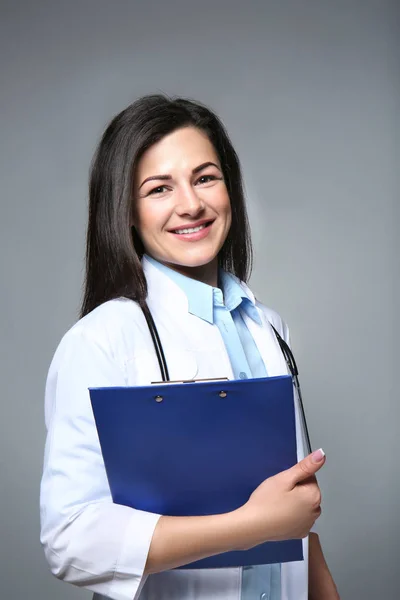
317,456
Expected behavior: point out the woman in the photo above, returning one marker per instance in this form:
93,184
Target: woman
168,230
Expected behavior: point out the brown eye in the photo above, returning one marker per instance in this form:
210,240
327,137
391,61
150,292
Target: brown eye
206,179
158,190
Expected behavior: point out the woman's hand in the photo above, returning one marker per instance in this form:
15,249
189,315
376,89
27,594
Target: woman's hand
284,506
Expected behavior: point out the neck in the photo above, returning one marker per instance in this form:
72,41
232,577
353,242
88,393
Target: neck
205,273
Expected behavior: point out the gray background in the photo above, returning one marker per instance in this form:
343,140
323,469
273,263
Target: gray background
309,91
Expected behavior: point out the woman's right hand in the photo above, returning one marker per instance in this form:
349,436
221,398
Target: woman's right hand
284,506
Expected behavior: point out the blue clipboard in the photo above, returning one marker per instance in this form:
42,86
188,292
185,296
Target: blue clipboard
197,449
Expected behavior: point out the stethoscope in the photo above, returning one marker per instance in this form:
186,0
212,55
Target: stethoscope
285,349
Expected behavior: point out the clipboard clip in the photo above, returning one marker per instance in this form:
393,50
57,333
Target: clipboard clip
160,398
189,380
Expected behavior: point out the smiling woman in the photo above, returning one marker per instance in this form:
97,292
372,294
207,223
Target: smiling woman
168,234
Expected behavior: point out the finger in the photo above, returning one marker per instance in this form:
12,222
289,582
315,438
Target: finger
307,467
309,480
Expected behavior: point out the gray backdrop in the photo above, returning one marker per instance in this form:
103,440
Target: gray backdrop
309,92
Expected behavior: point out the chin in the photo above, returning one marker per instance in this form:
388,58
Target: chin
192,263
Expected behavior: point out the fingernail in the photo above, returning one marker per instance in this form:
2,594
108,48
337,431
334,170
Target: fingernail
317,456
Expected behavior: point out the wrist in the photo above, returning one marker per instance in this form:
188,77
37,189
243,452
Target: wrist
249,531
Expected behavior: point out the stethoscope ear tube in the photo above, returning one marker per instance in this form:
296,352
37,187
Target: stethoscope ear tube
285,349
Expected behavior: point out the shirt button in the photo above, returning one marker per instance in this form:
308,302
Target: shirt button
264,596
243,375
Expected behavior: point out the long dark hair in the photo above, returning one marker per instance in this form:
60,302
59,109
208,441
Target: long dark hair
113,249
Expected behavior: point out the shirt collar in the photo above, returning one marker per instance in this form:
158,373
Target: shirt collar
202,298
235,296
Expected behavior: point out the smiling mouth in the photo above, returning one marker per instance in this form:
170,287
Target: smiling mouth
191,229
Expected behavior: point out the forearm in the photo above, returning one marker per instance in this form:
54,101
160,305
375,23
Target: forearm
321,585
181,540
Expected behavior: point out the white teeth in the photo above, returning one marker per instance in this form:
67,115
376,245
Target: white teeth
190,230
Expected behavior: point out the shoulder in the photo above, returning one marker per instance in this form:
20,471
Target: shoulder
275,319
120,312
107,320
114,328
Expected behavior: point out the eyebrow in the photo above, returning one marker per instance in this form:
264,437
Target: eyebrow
168,177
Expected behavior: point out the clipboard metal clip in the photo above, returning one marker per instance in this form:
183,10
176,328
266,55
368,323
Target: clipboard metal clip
189,380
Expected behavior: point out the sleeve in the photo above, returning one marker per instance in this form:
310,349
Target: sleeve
88,540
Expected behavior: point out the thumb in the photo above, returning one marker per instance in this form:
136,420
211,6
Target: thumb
306,467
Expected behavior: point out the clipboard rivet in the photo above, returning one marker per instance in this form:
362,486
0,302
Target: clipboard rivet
158,398
222,394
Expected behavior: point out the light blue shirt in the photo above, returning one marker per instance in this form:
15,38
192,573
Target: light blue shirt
225,307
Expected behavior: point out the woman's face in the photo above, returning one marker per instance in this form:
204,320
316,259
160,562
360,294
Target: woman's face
181,208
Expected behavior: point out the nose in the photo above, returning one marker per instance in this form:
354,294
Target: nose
189,202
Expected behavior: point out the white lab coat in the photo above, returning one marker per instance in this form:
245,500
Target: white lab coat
88,540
